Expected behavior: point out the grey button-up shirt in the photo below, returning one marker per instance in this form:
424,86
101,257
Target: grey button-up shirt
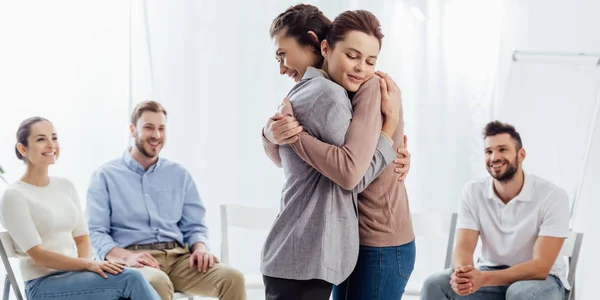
315,235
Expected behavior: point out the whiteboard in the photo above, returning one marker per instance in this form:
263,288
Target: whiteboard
552,100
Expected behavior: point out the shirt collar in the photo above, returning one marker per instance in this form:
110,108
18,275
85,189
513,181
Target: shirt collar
525,194
135,166
312,72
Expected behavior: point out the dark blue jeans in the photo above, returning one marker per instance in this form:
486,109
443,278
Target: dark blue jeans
381,273
130,284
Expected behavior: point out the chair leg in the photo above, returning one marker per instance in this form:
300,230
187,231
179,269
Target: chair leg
6,293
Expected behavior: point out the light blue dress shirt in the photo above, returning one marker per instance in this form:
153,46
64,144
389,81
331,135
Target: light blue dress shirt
127,205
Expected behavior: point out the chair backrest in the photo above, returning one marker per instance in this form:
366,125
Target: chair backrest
7,250
571,249
7,244
436,224
246,217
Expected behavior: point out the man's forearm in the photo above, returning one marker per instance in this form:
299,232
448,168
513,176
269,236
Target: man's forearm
531,270
118,255
461,258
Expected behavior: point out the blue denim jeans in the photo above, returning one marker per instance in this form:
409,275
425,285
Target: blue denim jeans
437,287
130,284
381,273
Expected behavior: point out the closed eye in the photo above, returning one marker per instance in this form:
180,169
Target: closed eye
280,56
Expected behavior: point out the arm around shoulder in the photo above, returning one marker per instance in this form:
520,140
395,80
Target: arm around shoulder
347,164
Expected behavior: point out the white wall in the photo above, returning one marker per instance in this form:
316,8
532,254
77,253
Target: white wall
71,68
66,61
212,65
562,26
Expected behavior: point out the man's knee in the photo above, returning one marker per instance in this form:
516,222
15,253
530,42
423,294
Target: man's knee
232,277
159,281
518,291
535,290
437,280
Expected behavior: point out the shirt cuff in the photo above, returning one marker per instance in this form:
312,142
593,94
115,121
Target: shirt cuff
198,239
386,149
554,233
467,225
387,137
103,251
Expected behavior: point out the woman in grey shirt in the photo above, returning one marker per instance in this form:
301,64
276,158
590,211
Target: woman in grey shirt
314,241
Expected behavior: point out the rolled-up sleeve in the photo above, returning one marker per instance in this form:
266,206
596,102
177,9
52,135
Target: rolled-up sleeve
98,216
193,223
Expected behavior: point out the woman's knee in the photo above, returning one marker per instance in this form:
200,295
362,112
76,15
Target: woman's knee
130,274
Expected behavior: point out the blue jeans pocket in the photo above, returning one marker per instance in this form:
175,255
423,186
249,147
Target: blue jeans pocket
406,255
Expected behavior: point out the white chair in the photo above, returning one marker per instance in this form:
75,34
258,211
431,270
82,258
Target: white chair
245,217
436,226
571,249
7,250
182,296
432,224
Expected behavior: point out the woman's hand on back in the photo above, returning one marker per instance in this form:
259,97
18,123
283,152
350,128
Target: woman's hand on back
391,96
391,103
282,128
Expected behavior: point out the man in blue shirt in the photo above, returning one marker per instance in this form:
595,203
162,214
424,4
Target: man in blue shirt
144,211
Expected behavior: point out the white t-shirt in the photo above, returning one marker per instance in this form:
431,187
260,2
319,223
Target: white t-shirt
49,216
509,231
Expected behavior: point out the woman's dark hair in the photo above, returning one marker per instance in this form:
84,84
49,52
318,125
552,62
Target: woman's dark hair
354,20
298,20
24,131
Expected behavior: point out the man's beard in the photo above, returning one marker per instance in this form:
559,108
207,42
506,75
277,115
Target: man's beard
139,144
511,170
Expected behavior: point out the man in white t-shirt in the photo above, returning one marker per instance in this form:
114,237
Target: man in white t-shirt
522,220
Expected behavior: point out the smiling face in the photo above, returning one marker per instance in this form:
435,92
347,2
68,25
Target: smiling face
41,147
149,133
351,61
502,158
294,58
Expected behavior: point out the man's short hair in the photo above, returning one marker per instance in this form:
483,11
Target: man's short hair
496,127
149,105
